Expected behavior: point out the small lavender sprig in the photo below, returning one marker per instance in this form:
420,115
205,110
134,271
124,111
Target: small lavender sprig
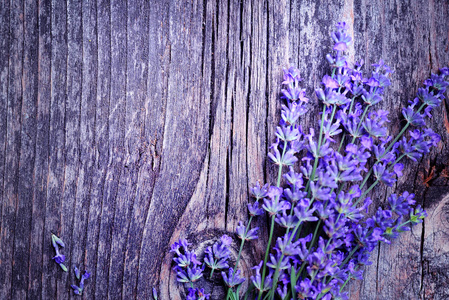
58,258
78,290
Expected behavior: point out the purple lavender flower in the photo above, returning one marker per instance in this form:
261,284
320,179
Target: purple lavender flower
274,207
217,256
197,294
58,258
186,268
257,279
254,209
417,215
259,192
78,290
242,234
233,278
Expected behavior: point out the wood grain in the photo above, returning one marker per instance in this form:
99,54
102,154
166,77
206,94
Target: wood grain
127,125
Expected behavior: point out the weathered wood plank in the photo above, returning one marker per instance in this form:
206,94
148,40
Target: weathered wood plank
4,74
181,166
22,230
72,134
106,280
138,142
38,238
100,23
56,144
87,149
13,108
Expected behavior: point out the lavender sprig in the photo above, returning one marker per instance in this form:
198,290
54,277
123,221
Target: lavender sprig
58,258
78,290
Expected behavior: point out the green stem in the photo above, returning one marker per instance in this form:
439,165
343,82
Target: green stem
341,142
349,256
360,123
241,245
266,255
366,178
366,192
344,284
315,163
278,183
213,269
229,293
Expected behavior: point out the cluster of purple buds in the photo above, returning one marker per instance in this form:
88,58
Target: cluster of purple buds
233,278
216,257
197,294
327,192
187,267
58,258
78,289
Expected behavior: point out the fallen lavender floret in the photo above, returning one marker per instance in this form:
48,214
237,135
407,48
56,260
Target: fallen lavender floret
78,290
58,258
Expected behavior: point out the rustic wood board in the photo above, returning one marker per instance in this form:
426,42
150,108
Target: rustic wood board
126,125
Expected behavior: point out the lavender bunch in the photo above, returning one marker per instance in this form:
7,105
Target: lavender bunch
324,205
326,175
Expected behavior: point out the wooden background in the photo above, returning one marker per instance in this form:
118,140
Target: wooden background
124,126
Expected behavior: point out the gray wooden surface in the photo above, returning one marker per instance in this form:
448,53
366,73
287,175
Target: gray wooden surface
124,126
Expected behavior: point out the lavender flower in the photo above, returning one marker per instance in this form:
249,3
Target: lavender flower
233,278
187,266
217,256
243,235
197,294
58,258
254,209
78,290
